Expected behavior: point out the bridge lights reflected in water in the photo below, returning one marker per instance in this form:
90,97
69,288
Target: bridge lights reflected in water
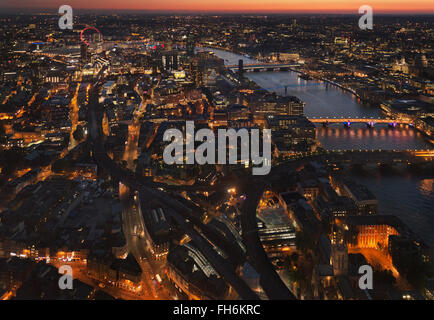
336,136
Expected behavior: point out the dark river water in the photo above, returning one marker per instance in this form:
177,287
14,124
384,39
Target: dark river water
325,100
407,196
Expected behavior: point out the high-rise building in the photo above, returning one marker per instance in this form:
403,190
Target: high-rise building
240,67
97,37
190,45
84,53
170,60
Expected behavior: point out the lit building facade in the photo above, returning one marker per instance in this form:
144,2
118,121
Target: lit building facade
369,231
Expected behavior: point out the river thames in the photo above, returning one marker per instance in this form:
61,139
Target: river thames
407,195
325,100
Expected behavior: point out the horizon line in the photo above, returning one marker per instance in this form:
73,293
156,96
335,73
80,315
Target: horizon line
213,12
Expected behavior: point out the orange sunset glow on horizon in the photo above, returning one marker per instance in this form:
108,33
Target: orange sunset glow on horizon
336,6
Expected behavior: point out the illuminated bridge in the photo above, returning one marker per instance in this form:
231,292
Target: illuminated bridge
370,122
294,85
264,67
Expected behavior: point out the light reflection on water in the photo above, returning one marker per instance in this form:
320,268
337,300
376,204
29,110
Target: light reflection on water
337,137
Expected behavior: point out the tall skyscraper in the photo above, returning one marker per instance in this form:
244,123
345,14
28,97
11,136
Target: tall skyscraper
84,54
191,44
170,60
240,67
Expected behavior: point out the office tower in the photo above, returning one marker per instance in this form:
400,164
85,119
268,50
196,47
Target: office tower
84,54
240,67
190,45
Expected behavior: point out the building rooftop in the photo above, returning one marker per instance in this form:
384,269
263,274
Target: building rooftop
359,191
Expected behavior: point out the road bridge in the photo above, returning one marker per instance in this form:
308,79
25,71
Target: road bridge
257,67
363,157
370,122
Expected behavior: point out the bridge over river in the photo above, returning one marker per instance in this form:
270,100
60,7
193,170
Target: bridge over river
264,67
358,120
363,157
370,122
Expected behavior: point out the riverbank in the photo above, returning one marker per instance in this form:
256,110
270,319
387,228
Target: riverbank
338,85
342,87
